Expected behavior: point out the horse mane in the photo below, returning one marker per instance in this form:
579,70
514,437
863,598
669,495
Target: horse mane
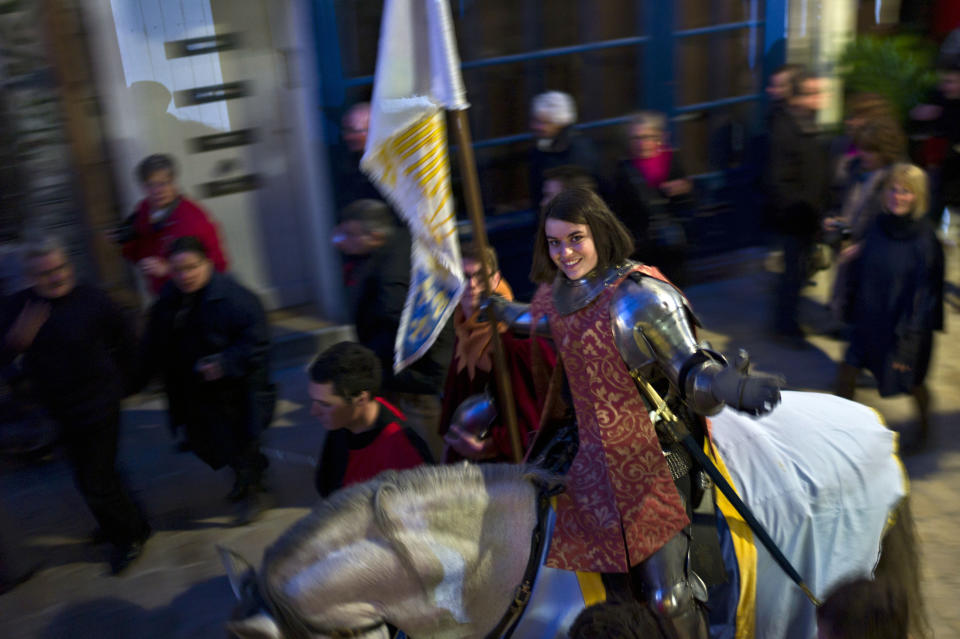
900,564
328,515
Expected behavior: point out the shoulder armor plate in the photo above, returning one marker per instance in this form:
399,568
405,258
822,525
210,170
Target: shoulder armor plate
652,325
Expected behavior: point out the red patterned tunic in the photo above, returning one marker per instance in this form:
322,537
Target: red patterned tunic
621,503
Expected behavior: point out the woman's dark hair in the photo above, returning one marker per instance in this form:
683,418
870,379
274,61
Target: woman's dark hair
571,176
153,163
865,608
883,136
351,367
612,240
187,244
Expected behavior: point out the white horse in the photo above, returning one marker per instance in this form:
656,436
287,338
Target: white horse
443,552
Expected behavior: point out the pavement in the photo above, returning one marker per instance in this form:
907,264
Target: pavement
178,588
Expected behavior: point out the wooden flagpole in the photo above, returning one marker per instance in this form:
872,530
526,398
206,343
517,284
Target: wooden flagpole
471,192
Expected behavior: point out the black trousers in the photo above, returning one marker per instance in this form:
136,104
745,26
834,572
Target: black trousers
92,451
796,253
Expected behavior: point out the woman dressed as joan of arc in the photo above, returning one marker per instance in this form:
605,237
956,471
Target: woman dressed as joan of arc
624,336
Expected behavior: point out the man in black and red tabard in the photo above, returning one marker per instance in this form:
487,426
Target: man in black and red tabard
366,434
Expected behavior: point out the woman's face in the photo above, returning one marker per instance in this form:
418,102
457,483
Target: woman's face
543,128
645,141
571,247
900,200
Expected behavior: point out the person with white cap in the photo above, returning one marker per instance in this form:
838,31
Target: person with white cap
552,116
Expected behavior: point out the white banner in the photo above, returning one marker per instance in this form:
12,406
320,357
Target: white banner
417,77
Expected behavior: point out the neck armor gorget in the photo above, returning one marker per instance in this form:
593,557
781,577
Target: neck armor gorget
569,296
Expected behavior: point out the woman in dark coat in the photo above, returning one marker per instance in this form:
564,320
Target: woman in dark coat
896,295
652,195
208,337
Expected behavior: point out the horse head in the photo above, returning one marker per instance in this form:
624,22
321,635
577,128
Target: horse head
437,551
250,618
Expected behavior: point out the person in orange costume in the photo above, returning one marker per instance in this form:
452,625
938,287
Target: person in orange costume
477,434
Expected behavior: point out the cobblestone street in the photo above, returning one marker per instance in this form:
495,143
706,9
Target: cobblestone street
178,588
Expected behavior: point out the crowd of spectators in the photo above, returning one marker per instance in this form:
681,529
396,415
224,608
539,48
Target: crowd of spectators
206,335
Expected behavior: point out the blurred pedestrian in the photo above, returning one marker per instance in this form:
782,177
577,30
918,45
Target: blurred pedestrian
162,217
376,247
864,609
880,143
780,86
861,109
567,176
941,116
350,183
469,422
797,185
556,142
15,568
365,433
653,196
207,336
78,352
895,292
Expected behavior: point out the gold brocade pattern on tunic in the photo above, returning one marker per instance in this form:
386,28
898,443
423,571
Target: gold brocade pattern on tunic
621,503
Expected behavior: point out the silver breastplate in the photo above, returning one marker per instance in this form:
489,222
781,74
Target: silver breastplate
569,296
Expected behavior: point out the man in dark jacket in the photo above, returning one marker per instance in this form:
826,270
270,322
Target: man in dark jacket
77,351
207,335
350,183
366,434
377,275
797,184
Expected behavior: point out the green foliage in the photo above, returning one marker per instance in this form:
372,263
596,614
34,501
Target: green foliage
899,67
9,6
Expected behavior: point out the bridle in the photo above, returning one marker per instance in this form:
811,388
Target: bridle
294,626
348,633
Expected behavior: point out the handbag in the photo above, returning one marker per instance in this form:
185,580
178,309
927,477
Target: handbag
895,378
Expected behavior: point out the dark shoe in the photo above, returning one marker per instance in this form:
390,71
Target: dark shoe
836,331
240,491
249,481
122,556
792,340
249,509
98,537
8,585
913,444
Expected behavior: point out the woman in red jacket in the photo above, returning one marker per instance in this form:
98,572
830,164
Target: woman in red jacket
160,218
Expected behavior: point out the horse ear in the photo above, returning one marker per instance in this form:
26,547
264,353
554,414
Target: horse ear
260,626
238,570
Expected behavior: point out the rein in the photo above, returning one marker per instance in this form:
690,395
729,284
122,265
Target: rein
521,595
